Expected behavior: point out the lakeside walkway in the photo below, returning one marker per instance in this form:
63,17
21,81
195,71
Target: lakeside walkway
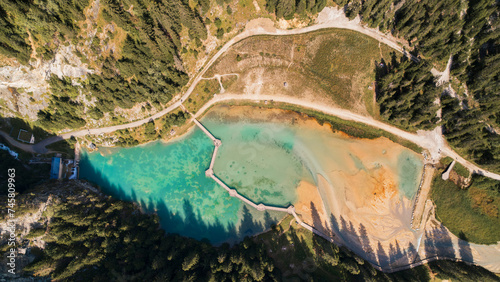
423,213
328,18
234,193
419,210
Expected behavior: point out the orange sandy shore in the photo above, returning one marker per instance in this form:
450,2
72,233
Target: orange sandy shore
356,198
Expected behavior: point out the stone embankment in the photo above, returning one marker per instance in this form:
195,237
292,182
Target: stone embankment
234,193
417,214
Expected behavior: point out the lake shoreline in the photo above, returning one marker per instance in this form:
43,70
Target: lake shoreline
271,156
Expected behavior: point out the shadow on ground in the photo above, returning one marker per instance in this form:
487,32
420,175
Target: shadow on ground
437,244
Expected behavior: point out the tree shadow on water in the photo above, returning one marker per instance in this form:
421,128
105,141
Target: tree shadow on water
189,220
190,223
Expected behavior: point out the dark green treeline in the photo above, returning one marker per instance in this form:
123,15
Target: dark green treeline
469,32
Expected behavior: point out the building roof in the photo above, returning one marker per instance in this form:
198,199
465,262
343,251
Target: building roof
54,169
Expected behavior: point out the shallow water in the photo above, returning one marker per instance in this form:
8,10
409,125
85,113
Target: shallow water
410,170
258,160
264,161
170,178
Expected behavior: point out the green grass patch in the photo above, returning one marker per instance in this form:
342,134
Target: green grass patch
461,170
285,223
335,64
446,161
13,125
344,61
202,93
370,103
472,212
66,147
458,168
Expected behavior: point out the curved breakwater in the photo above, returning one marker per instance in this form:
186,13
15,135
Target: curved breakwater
233,193
261,161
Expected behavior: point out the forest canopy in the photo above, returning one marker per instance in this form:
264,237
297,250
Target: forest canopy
143,69
468,32
93,237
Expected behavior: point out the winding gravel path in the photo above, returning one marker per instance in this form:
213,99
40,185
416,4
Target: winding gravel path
430,140
328,18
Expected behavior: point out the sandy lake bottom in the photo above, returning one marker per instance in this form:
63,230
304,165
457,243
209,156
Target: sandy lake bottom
270,156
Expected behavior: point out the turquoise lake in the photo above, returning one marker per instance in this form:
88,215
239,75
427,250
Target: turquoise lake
264,161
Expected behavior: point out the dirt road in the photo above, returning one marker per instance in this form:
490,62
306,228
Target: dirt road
15,143
430,140
419,207
433,141
328,18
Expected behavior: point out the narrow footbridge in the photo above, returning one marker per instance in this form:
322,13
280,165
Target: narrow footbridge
234,193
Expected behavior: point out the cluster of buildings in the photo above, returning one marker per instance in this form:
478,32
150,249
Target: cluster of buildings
63,169
59,168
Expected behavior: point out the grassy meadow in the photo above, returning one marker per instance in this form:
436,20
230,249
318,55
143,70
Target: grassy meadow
470,213
334,66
